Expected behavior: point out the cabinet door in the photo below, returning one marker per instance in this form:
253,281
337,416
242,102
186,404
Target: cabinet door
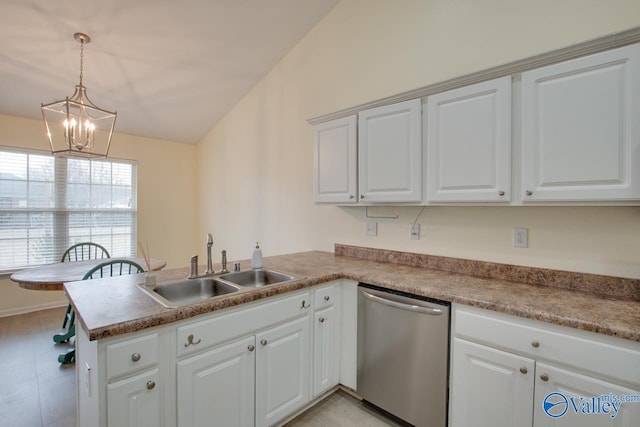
490,387
390,153
135,401
469,143
565,399
580,129
335,163
217,387
325,350
283,370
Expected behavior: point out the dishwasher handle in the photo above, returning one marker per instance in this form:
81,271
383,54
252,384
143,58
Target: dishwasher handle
401,305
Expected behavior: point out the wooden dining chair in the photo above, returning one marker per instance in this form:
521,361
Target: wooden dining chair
79,252
116,267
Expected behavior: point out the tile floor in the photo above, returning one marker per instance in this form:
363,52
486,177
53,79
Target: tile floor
340,410
36,391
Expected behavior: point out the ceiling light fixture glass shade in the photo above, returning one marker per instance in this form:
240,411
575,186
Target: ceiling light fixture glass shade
75,126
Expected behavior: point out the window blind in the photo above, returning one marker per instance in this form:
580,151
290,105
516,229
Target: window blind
49,203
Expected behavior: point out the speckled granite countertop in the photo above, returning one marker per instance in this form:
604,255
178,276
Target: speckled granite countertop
602,304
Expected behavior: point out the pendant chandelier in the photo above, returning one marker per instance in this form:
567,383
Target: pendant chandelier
76,127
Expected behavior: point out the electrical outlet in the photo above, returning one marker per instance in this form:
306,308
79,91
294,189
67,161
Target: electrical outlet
520,237
414,232
372,228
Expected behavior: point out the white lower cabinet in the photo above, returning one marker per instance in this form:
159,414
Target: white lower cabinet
217,387
490,387
283,370
326,339
257,380
574,387
508,371
247,367
135,401
134,382
325,351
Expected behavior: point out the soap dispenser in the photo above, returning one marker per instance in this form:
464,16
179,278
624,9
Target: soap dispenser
256,258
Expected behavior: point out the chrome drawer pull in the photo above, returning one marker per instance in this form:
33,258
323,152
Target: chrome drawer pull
321,320
523,370
251,347
544,376
150,385
135,357
263,342
327,298
304,304
535,344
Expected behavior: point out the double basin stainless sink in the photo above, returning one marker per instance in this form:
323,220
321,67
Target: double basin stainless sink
177,293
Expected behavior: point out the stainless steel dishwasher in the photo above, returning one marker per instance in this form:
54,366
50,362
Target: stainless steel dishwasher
403,353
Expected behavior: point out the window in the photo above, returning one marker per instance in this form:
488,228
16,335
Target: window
50,203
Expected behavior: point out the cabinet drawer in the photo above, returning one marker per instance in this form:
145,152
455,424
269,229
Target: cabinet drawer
609,356
199,336
124,358
324,297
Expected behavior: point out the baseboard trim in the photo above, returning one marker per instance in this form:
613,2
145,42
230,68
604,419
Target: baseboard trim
31,308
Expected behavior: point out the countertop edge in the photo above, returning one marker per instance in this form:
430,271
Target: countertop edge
460,289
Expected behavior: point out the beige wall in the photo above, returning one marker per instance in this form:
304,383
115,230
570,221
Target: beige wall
166,200
255,166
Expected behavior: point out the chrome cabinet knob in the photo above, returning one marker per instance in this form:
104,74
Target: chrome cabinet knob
304,304
535,344
544,376
500,193
321,320
251,347
327,298
151,385
523,369
135,357
263,342
350,196
529,193
362,196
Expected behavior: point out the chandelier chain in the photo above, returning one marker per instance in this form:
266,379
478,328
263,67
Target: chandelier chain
81,59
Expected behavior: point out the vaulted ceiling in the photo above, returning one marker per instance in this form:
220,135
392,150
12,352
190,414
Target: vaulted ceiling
172,69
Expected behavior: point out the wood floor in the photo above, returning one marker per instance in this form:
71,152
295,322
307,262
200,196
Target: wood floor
36,391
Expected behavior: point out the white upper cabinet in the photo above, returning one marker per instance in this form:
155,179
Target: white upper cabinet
390,153
581,129
469,143
335,164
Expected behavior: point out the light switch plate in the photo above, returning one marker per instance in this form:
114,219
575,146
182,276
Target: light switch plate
520,237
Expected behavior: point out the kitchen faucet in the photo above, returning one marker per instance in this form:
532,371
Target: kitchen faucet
194,261
209,262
